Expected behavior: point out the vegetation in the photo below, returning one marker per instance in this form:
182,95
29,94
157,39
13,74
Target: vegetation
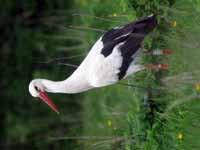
153,117
151,110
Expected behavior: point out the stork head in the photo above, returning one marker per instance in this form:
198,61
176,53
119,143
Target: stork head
37,89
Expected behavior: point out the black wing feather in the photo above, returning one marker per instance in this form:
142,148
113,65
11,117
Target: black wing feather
132,36
137,29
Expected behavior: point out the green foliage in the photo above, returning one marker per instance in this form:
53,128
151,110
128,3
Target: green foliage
163,115
151,119
26,123
146,7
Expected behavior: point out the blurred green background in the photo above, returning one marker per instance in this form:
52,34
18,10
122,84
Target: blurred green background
48,39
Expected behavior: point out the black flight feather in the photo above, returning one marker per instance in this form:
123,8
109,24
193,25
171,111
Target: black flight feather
131,35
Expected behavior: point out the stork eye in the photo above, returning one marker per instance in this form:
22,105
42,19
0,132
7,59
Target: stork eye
36,88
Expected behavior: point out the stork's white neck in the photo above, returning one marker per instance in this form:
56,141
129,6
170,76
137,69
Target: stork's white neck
74,84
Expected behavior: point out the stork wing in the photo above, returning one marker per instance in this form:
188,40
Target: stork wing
104,70
134,31
114,51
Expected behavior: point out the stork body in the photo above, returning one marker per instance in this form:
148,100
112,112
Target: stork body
112,58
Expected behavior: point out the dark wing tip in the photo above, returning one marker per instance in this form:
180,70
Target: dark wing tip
149,22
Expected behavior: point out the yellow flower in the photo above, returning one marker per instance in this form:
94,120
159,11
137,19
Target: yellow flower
109,123
114,15
197,87
174,24
180,136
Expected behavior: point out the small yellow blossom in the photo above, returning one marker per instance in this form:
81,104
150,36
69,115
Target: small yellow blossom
197,87
114,14
180,136
174,24
109,123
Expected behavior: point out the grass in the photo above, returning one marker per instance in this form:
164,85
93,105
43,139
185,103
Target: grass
126,117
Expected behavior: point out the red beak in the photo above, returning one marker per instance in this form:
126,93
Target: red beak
48,101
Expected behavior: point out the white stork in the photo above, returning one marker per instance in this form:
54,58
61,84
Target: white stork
112,58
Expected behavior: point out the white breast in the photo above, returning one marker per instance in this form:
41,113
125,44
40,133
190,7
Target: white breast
104,70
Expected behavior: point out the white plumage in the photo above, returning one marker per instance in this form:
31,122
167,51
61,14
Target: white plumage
112,58
104,70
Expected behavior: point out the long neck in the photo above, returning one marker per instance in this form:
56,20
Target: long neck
71,85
